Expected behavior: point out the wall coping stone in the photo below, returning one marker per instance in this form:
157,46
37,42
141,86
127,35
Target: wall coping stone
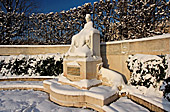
138,40
34,46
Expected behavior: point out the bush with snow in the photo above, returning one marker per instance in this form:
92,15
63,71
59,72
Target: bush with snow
147,70
31,65
165,87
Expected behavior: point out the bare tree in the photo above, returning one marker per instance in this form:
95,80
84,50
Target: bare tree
26,6
15,19
115,19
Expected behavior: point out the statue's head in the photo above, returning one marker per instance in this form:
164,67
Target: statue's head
88,17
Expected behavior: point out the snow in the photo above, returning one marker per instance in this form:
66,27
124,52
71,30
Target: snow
21,84
145,67
100,92
19,100
124,105
137,40
57,56
65,89
82,83
36,101
31,60
82,44
144,58
69,90
115,79
168,61
75,64
100,95
34,46
94,58
81,51
100,89
152,95
105,91
49,82
144,63
31,101
24,77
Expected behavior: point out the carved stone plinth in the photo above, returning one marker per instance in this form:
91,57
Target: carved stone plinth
76,69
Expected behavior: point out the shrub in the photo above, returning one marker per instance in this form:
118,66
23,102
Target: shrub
165,87
147,70
49,66
32,65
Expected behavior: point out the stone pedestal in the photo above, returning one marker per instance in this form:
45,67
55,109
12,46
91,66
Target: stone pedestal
76,69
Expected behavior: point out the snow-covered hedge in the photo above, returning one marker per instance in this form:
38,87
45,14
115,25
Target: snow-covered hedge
147,70
31,65
166,89
115,19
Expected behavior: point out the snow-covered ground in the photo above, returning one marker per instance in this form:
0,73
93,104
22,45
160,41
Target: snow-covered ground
37,101
3,83
152,95
124,105
31,101
21,84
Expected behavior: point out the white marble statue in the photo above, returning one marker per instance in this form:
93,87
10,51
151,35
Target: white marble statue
87,42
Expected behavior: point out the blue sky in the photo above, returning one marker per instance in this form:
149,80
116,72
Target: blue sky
59,5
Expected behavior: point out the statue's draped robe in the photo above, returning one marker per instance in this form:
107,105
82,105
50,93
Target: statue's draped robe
80,45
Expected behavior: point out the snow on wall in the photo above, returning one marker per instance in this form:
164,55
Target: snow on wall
115,79
138,40
2,46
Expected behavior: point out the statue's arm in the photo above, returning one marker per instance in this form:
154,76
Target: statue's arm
73,46
88,41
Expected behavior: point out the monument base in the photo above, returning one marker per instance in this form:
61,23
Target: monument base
82,84
76,69
67,95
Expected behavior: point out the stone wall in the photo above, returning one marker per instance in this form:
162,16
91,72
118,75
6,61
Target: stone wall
32,49
114,54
